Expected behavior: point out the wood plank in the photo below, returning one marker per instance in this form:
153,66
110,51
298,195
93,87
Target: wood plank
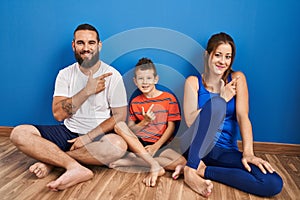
16,182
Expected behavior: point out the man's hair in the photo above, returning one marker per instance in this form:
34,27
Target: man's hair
87,27
144,64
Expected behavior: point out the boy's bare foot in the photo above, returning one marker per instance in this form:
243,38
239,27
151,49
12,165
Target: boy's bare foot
178,171
123,162
128,160
40,169
154,173
196,182
70,178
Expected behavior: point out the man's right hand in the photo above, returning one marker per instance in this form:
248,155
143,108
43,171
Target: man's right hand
96,85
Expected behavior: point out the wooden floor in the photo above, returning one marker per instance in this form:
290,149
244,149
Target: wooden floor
16,182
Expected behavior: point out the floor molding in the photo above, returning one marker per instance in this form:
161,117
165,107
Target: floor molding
275,148
5,130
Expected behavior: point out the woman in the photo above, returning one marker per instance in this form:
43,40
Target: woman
218,99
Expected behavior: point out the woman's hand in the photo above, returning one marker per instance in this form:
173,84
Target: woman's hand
262,164
228,91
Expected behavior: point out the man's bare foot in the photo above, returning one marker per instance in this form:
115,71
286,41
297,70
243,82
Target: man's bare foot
196,182
154,173
40,169
178,171
70,178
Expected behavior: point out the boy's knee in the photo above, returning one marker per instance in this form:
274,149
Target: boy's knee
120,126
116,144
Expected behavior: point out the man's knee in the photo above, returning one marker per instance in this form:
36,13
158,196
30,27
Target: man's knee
21,133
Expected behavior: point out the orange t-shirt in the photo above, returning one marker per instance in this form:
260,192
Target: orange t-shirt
165,109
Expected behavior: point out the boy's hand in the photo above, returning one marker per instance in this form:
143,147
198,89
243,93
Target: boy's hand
149,115
151,149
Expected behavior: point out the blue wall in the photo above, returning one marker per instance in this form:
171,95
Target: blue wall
36,36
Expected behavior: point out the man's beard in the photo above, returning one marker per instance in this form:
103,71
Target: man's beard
86,63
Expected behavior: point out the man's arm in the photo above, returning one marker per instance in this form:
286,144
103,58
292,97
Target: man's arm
118,114
65,107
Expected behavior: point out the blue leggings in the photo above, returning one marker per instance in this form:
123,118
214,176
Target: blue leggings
203,130
224,165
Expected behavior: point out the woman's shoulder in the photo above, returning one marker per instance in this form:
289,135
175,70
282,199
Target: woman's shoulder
192,82
240,76
237,73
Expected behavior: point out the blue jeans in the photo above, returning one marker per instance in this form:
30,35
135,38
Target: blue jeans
225,166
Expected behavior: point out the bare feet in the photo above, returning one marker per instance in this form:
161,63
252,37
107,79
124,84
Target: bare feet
154,173
40,169
70,178
196,182
178,171
128,160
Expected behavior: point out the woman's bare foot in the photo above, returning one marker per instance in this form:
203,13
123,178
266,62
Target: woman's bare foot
201,169
154,173
40,169
71,177
178,171
196,182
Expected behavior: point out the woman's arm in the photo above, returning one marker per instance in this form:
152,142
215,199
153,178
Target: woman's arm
242,112
190,100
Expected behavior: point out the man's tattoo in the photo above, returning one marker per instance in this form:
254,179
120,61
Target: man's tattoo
68,107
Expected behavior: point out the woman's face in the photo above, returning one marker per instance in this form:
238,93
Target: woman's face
220,60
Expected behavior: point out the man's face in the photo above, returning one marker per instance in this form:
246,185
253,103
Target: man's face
86,48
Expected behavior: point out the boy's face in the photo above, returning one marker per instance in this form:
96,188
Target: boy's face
145,80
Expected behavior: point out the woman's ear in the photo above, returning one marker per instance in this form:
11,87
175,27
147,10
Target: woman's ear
206,54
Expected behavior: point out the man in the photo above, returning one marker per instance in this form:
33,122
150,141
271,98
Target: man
85,98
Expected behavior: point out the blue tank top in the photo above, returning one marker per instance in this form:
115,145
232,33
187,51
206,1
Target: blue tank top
227,134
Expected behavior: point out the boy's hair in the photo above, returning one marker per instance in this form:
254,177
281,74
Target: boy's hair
87,27
144,64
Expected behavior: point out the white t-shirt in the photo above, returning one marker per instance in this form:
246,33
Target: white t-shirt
96,108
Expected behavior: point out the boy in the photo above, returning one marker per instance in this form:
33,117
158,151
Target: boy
151,125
